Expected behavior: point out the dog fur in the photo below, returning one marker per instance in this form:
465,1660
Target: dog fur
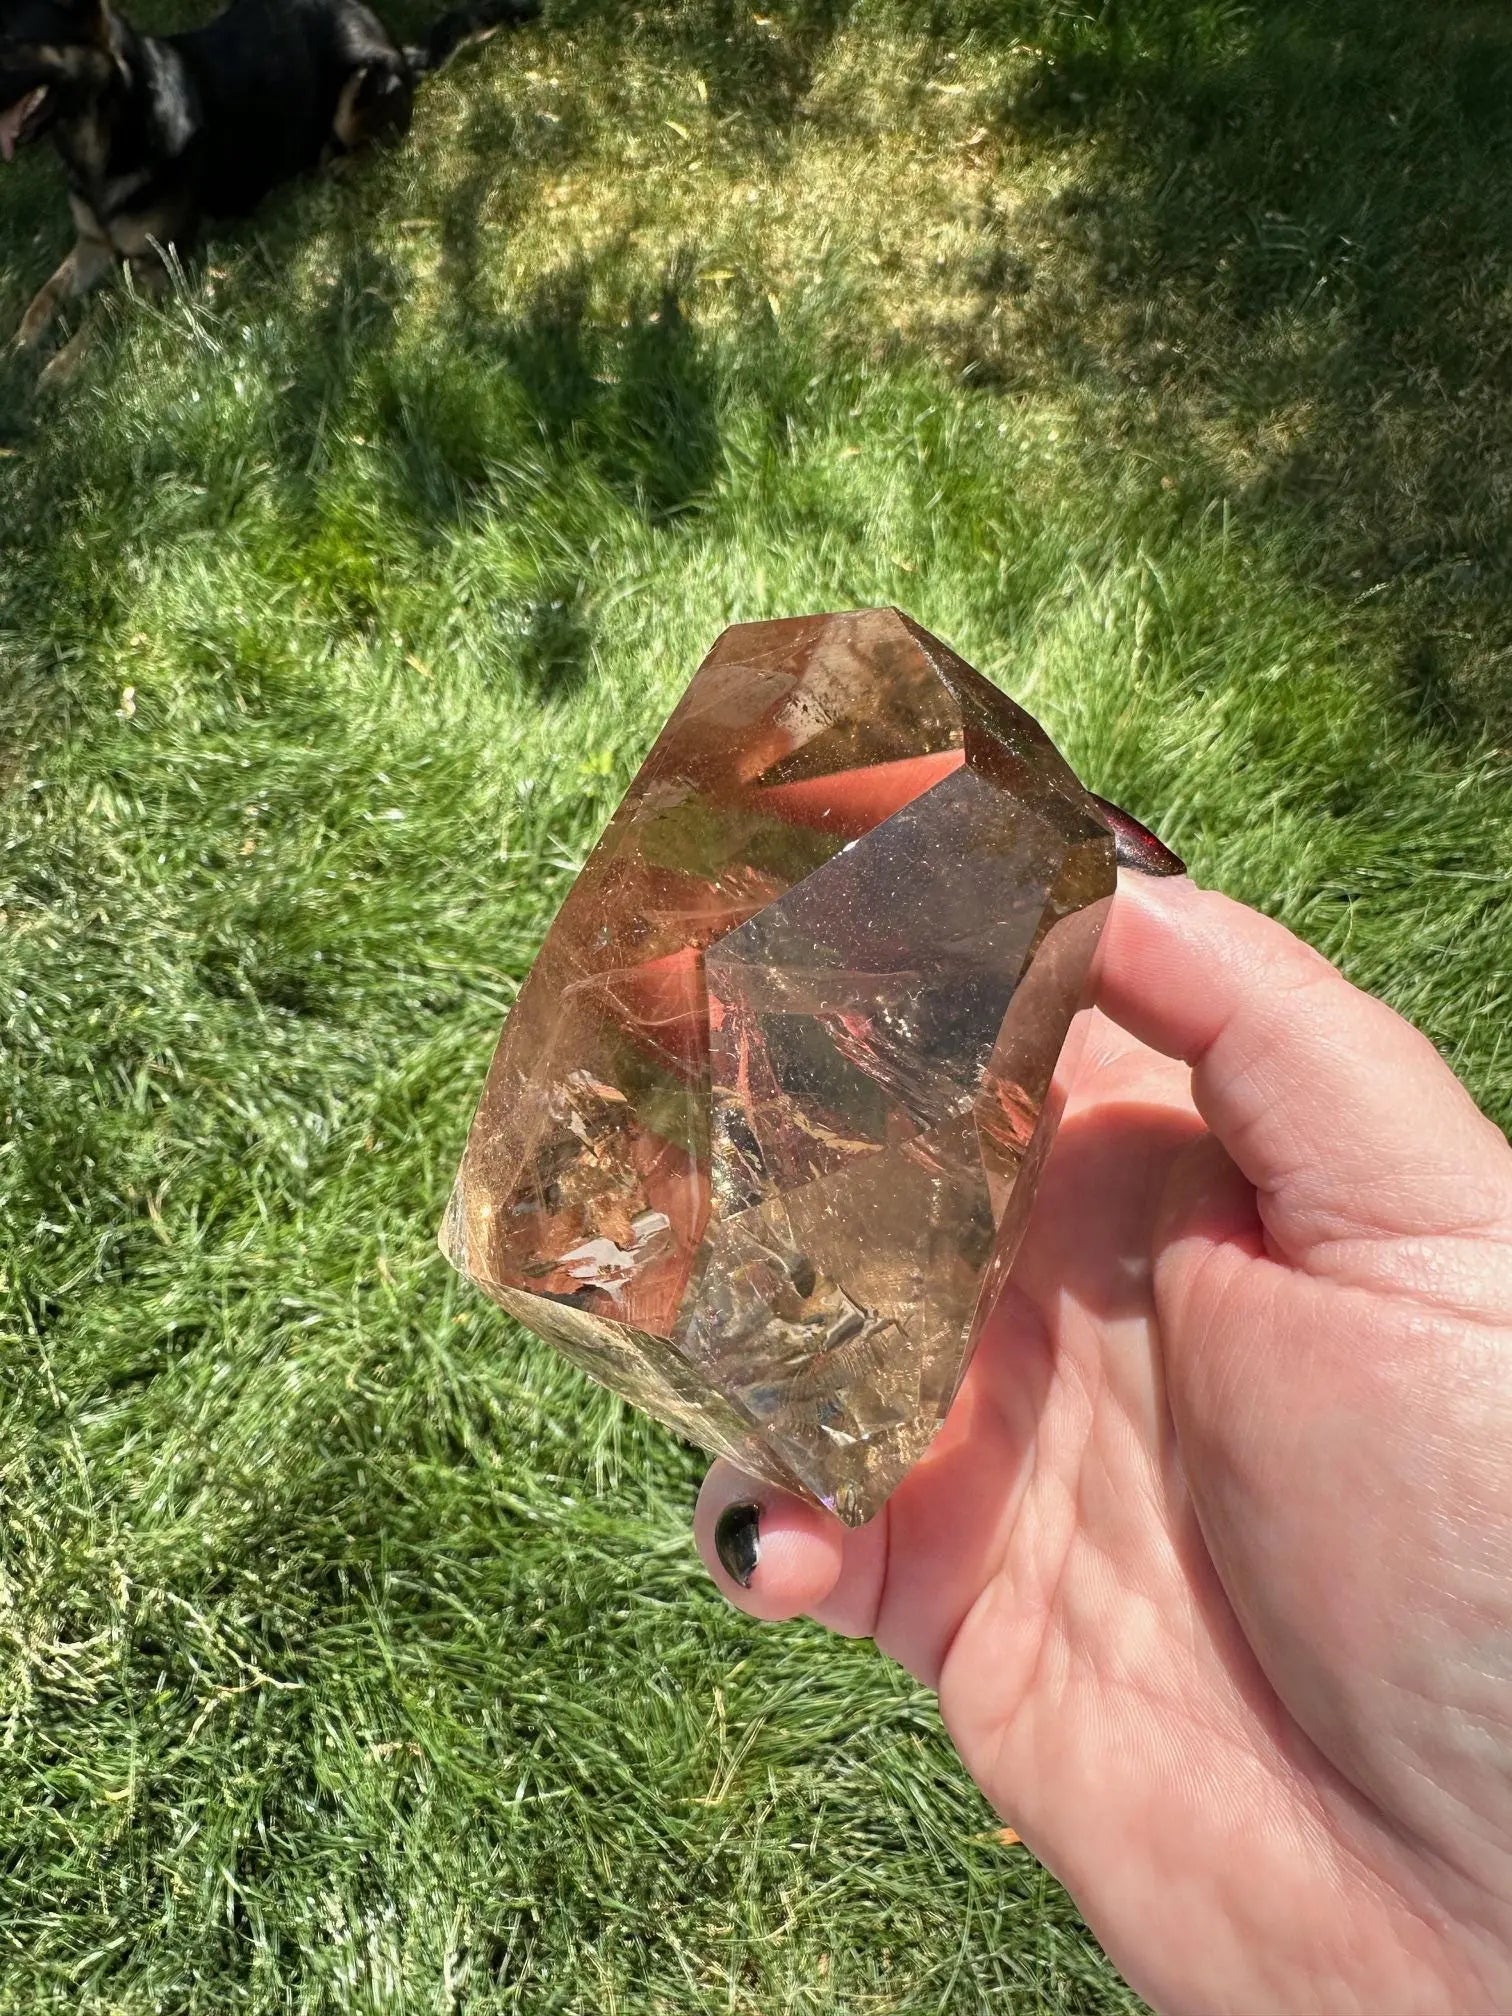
159,133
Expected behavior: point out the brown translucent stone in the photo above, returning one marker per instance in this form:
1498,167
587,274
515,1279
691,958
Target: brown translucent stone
761,1133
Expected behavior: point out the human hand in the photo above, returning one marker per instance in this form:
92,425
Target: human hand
1211,1565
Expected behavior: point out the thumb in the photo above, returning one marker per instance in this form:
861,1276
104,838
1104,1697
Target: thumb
1352,1129
773,1556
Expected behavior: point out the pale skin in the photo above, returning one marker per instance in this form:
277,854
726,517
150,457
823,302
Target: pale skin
1211,1566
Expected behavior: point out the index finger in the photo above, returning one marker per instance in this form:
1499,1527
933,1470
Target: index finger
1344,1117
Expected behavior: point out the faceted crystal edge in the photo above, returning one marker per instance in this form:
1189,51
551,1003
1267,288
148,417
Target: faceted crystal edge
798,671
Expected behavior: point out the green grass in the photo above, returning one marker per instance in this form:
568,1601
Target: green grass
352,1652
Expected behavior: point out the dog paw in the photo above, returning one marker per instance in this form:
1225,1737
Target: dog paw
61,369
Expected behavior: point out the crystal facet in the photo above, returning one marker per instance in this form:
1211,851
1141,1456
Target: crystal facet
761,1133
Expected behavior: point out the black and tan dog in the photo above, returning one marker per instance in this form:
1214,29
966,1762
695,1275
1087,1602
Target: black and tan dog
158,133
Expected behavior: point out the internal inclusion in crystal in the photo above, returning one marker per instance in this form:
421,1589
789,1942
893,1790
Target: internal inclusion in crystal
761,1133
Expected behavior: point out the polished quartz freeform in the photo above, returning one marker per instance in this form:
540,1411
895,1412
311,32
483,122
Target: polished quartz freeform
761,1133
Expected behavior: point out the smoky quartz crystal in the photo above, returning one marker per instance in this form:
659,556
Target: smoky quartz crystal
762,1130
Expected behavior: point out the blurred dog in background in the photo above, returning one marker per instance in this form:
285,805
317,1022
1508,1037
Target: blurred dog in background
158,133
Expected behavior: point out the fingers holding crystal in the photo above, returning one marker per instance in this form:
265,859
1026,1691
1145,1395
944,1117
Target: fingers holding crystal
1349,1125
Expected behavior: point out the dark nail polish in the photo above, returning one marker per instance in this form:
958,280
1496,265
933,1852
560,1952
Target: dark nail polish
737,1541
1137,846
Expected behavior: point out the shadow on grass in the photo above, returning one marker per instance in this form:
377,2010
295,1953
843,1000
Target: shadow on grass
1280,247
599,377
751,73
639,404
1271,255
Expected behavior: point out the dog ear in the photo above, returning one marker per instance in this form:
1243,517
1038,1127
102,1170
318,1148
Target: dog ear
89,20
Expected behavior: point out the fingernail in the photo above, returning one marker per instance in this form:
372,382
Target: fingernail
1136,845
737,1541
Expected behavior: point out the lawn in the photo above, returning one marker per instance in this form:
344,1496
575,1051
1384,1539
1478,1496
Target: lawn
1157,354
